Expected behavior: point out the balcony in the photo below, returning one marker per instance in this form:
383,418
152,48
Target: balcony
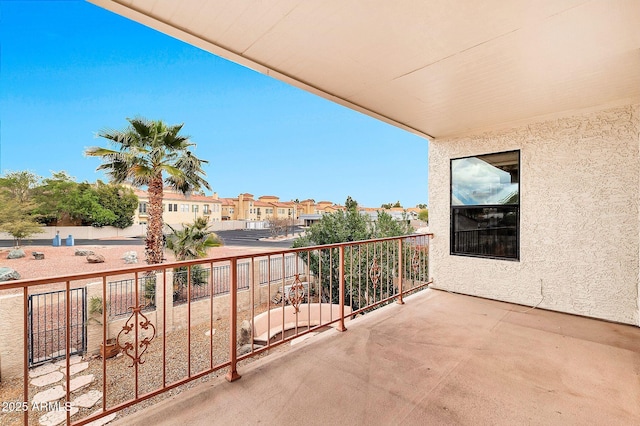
440,358
175,323
435,357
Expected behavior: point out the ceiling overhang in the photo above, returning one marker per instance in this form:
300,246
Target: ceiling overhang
436,68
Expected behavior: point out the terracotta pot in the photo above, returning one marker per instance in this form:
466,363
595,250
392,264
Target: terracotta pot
110,349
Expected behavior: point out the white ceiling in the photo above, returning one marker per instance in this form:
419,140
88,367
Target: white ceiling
434,67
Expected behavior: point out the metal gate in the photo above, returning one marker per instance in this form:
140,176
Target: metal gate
48,327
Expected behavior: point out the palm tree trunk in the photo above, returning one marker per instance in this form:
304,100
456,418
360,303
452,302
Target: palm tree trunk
154,247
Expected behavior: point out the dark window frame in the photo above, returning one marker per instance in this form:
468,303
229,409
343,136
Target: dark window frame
504,207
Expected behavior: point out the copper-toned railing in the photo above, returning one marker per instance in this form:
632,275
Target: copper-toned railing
170,337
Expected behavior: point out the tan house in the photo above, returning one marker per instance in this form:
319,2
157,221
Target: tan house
269,206
178,209
228,208
307,206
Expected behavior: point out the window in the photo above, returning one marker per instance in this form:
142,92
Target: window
142,207
173,207
485,206
184,208
206,209
194,208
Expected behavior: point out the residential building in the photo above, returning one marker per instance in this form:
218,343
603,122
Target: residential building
178,208
270,206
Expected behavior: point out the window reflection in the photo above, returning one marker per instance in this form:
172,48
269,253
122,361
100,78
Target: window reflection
485,180
485,205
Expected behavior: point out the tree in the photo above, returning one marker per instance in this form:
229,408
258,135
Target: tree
16,205
120,200
351,204
19,185
190,242
387,226
421,206
16,220
146,151
424,215
61,199
388,206
52,198
348,226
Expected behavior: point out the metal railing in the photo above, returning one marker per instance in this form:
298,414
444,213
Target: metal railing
122,295
174,343
271,269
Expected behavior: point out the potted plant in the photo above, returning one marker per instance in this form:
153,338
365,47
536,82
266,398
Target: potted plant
109,348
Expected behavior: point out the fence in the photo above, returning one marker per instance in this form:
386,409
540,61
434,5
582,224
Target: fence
330,285
47,325
279,267
197,279
121,295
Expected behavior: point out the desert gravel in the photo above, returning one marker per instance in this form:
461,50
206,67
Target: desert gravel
120,376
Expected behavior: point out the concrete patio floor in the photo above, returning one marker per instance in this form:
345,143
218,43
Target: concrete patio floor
441,358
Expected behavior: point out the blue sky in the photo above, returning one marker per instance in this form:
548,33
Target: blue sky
69,69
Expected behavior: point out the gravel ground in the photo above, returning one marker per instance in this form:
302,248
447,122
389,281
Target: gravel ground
62,260
121,377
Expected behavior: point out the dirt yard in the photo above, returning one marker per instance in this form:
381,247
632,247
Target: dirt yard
62,260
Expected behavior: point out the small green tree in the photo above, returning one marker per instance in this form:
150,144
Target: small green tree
424,215
190,242
16,219
349,226
387,226
16,205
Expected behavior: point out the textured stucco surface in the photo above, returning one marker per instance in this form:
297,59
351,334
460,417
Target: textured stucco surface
579,226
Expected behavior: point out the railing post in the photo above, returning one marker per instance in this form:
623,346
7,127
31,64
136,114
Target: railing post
233,375
25,354
400,301
341,326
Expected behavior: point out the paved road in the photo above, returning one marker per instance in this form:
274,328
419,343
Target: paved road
251,238
242,238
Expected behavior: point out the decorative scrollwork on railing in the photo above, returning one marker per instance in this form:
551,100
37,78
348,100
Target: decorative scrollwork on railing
374,273
415,262
130,325
296,293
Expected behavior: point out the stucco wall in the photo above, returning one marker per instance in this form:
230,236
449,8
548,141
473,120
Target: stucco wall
579,226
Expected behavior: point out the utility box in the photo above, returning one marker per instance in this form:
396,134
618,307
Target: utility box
69,241
56,241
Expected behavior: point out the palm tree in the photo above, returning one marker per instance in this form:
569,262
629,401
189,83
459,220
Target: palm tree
146,151
192,241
